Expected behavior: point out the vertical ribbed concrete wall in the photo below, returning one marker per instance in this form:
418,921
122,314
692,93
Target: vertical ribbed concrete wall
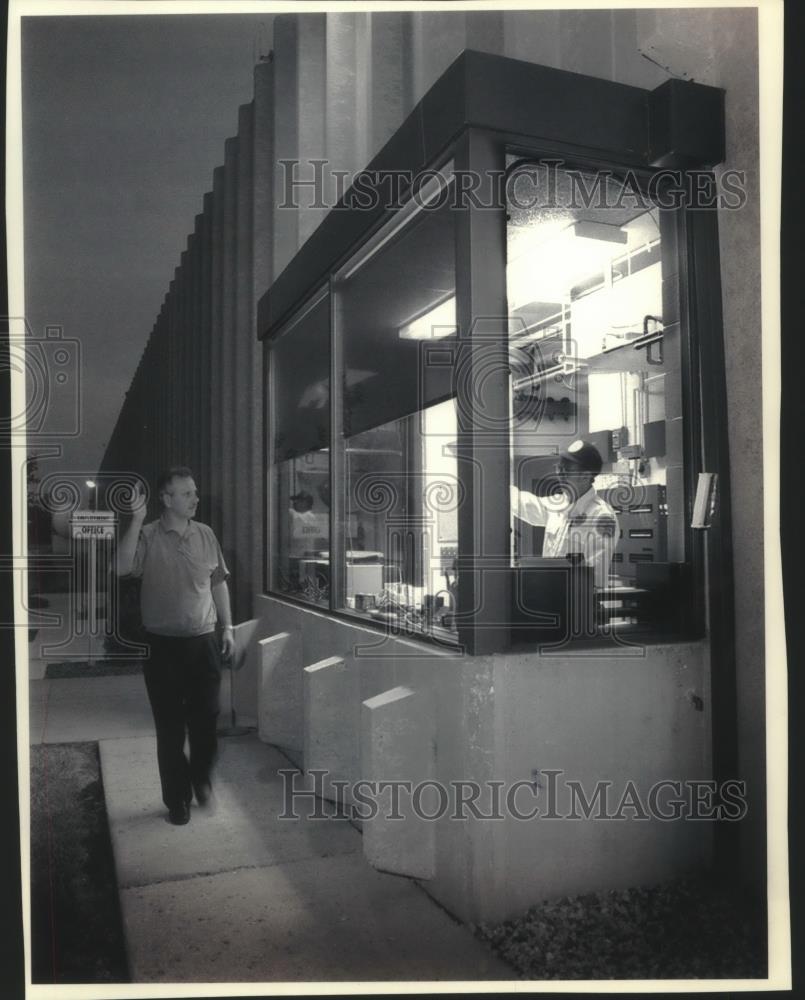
337,87
215,479
244,472
344,82
262,272
227,474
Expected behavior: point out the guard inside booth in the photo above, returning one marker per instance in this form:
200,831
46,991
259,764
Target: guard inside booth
307,534
595,387
577,522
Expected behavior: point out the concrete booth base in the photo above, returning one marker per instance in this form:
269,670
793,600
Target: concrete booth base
497,781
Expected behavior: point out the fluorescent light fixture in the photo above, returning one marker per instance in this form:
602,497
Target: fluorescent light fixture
546,272
436,324
603,232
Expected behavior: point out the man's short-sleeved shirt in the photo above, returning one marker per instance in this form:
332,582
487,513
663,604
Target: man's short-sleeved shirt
178,573
588,526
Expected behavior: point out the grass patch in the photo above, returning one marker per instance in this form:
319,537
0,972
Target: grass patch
686,929
76,926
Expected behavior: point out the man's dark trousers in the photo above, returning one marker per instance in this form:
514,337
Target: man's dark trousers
183,679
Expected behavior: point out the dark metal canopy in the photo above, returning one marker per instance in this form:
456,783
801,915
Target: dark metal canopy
677,125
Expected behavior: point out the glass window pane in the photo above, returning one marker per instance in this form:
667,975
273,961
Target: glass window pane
401,521
302,527
301,365
592,362
397,327
400,300
300,477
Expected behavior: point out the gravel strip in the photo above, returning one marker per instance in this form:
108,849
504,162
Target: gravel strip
687,929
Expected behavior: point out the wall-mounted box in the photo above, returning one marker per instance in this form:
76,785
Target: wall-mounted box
686,125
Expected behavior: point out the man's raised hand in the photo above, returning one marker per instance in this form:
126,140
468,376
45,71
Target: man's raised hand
138,502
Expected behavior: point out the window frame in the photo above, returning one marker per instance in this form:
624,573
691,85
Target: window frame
677,248
682,239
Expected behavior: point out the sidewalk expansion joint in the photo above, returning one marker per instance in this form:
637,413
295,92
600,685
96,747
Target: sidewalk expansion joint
231,871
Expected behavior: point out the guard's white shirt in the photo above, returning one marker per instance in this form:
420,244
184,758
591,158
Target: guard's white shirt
308,531
588,526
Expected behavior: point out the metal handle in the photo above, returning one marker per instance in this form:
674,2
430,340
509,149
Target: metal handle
704,504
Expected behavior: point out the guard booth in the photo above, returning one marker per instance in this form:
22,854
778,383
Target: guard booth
539,282
547,275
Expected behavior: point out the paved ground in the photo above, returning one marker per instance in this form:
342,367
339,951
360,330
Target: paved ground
94,708
241,895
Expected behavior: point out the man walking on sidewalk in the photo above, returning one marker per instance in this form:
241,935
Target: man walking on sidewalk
184,596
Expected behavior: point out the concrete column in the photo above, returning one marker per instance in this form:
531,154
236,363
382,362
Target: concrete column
158,417
437,39
397,744
174,368
216,349
586,42
188,450
286,137
484,31
194,442
166,355
183,382
190,355
229,284
173,365
247,472
280,699
263,176
262,270
246,671
128,413
483,753
312,90
693,43
627,63
196,338
205,345
332,719
533,36
183,388
347,95
388,53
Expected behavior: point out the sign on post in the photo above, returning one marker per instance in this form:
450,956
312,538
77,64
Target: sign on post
88,524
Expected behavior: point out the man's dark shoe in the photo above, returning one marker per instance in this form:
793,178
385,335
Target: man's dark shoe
205,797
179,815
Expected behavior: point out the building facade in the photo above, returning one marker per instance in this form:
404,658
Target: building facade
329,361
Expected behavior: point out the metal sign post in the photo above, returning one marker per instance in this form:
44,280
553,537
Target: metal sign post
90,526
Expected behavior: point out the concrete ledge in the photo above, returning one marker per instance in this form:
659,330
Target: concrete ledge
246,668
397,744
332,721
279,695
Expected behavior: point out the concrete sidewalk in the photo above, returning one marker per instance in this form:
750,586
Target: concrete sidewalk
77,709
241,895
